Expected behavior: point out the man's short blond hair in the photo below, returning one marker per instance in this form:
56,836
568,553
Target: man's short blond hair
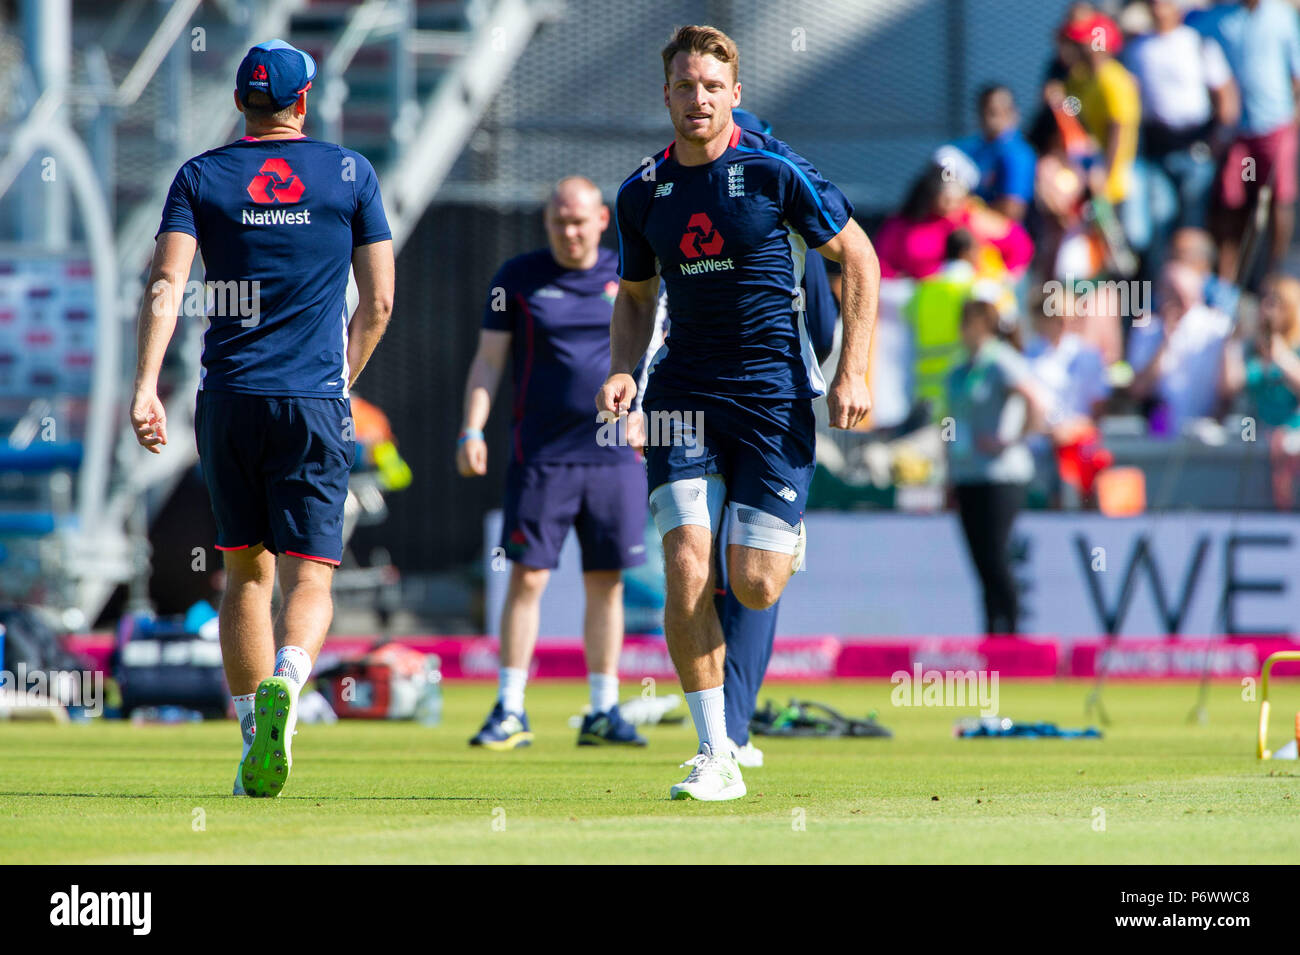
706,41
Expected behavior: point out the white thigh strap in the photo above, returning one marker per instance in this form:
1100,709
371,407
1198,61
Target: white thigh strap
696,501
760,530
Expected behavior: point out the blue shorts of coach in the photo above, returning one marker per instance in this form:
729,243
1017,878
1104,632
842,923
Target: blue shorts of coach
604,503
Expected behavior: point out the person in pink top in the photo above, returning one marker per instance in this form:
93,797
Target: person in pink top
911,243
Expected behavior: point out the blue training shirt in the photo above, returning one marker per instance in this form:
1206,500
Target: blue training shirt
286,214
821,315
559,322
729,239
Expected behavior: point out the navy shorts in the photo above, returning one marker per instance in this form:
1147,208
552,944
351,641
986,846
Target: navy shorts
276,470
605,503
764,449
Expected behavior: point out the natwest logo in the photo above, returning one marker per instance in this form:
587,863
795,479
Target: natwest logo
259,72
275,182
700,237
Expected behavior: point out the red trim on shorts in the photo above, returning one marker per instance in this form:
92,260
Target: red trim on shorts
240,547
323,560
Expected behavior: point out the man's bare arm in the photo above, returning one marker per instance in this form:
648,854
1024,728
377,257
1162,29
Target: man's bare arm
480,388
632,324
848,399
630,329
375,272
173,255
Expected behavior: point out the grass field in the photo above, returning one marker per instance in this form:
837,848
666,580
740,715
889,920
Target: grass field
1154,790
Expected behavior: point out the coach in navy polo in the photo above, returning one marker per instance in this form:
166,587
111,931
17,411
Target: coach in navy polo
279,218
548,312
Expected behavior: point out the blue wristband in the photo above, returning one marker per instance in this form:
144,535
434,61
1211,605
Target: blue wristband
469,434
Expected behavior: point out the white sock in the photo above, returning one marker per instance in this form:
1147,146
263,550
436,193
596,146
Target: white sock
294,664
604,691
244,716
510,689
709,717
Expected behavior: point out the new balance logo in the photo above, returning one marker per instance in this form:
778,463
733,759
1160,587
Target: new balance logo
787,494
663,189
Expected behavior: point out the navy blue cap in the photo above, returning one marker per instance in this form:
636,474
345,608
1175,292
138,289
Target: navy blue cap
747,120
276,69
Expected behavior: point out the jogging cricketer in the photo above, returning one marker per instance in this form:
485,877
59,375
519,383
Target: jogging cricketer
278,218
725,215
548,311
749,634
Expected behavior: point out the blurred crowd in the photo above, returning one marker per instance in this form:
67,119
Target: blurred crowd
1128,233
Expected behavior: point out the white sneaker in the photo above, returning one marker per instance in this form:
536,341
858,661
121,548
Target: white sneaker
748,756
800,546
712,779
